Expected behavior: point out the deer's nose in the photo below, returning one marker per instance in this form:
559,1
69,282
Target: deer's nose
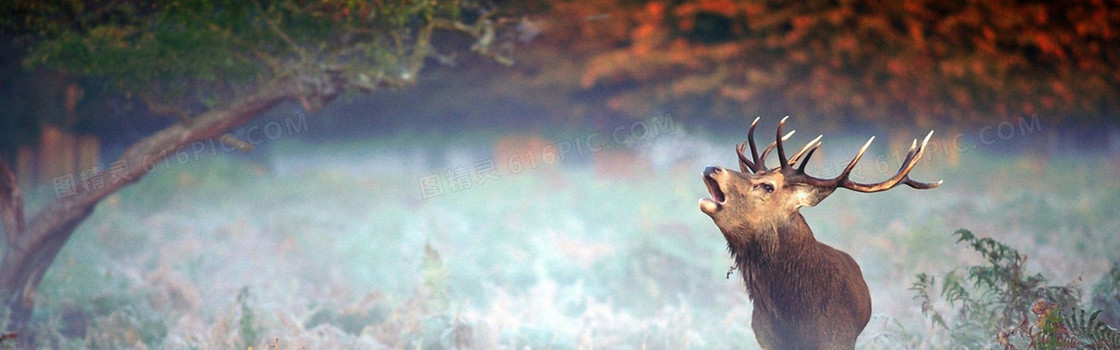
712,170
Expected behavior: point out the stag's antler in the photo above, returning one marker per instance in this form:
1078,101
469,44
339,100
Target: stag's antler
744,163
786,164
902,177
758,164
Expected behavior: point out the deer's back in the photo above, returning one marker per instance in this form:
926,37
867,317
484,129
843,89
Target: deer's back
816,301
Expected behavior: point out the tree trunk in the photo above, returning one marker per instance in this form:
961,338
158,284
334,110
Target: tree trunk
22,269
32,247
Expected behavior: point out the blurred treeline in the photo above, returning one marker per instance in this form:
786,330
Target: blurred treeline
909,62
906,63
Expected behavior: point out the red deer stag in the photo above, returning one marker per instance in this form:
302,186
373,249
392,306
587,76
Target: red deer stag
806,295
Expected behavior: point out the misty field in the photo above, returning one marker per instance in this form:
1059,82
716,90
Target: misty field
426,242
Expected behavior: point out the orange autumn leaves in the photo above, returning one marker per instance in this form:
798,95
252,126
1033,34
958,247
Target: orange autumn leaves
860,59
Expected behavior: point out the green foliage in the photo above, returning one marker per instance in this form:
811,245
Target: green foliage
248,326
997,301
177,43
1059,330
188,51
435,280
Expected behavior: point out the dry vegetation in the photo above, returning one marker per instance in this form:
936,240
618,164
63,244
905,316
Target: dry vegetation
332,246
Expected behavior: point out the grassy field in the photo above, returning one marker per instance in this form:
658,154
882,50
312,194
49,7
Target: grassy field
340,245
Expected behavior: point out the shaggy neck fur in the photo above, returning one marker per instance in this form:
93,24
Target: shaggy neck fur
778,252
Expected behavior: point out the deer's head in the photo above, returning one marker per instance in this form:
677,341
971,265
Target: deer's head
756,201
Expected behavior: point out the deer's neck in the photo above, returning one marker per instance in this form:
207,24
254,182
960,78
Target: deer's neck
774,241
783,249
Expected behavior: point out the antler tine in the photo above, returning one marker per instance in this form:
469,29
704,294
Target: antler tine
754,151
915,184
782,160
843,178
744,163
910,153
801,168
920,185
903,176
812,144
766,152
840,180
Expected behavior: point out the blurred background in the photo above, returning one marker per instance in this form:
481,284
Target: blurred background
551,203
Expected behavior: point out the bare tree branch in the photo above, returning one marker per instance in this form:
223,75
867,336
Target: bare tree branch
142,156
185,117
366,83
420,49
235,143
482,29
281,34
162,109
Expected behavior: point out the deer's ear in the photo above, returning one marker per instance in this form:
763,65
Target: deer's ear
808,196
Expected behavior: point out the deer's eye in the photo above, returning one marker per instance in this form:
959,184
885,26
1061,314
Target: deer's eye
765,187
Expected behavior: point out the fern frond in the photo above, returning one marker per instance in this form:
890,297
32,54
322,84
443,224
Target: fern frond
1090,331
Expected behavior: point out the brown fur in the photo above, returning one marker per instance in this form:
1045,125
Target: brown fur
806,294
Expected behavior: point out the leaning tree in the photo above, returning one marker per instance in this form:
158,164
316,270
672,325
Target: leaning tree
214,65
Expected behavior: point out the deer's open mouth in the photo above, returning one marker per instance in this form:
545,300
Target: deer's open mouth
712,205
